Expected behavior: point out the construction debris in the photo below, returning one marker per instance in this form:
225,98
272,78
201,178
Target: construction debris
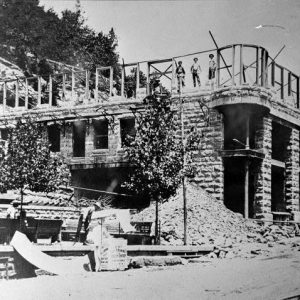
211,223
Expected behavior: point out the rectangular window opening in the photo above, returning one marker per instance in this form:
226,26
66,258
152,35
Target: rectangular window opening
79,133
100,134
127,131
54,137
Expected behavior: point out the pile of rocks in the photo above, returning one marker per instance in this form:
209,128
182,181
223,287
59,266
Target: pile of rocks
211,223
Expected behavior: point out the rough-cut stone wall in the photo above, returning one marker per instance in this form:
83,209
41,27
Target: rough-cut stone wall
210,170
262,196
66,140
292,172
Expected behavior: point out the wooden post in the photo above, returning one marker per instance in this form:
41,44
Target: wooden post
96,85
87,84
289,83
246,199
184,163
218,69
241,65
4,97
266,69
26,93
257,65
137,78
111,80
262,78
39,90
122,80
281,83
50,91
273,65
173,83
64,86
148,78
17,94
73,84
246,202
233,64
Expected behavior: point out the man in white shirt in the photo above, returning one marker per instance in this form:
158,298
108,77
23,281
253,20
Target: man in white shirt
12,211
196,70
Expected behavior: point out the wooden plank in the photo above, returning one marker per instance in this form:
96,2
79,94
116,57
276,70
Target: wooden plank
17,93
50,91
278,163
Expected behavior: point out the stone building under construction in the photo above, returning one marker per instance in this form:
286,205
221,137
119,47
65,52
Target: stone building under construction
248,116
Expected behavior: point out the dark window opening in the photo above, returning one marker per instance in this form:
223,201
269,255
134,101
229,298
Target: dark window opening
235,130
4,134
54,137
127,131
234,186
79,132
280,137
100,134
277,189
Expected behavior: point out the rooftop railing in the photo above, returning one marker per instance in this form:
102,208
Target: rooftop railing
236,65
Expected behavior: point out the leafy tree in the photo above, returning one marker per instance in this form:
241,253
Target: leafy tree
155,154
30,30
28,162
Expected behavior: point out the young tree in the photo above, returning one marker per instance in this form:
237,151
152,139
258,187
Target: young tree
28,162
155,154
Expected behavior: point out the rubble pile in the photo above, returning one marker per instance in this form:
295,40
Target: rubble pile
211,223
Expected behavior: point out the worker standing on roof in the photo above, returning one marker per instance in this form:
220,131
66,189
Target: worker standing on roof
85,219
212,66
180,72
196,70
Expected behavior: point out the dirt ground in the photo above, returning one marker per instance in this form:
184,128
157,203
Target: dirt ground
276,276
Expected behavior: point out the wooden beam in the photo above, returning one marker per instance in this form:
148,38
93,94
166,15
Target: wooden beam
233,65
111,80
220,53
64,86
262,60
137,77
50,91
257,65
281,83
122,80
17,93
26,93
241,65
278,163
96,85
218,69
273,65
73,84
289,83
4,97
87,84
148,78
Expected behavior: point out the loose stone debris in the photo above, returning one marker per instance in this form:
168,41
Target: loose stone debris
211,223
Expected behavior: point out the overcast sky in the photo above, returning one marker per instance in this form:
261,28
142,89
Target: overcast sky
161,29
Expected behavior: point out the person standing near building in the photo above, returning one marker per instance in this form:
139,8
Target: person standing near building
85,219
12,211
212,69
180,73
196,70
